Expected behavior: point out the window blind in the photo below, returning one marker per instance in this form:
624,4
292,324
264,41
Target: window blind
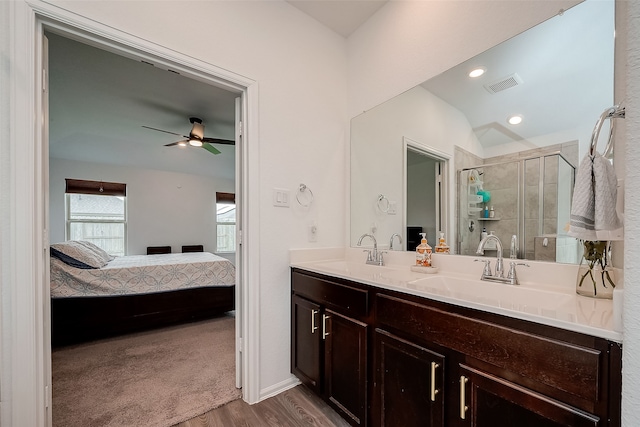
228,198
100,188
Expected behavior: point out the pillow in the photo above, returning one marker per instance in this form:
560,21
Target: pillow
98,251
76,255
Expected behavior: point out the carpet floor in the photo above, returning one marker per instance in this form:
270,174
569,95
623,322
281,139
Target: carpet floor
149,379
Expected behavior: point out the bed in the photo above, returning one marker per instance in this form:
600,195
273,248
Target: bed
94,295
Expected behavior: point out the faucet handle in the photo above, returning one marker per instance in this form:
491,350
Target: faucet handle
369,256
512,275
381,257
487,266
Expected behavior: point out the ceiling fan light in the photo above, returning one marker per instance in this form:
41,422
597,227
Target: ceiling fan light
195,142
182,143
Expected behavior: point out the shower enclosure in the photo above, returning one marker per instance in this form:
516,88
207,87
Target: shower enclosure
531,199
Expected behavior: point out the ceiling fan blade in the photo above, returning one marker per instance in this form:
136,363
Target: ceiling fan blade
210,148
218,141
165,131
181,143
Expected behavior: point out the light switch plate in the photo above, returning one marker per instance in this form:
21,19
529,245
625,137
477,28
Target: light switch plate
313,232
281,197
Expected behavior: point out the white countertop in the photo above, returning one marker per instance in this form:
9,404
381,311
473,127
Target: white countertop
546,294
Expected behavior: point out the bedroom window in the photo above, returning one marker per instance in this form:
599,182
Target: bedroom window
97,212
226,222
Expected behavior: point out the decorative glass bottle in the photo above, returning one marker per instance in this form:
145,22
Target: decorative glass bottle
596,278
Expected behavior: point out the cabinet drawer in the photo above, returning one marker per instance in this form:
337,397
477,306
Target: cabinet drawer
564,366
346,299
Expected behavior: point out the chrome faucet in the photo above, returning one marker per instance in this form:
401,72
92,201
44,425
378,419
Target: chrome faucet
499,265
513,249
373,257
391,240
512,277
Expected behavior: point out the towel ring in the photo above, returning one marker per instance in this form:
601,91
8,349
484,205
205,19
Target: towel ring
303,190
383,203
615,112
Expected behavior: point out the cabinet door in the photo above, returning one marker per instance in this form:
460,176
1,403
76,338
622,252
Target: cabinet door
490,401
306,336
346,365
408,390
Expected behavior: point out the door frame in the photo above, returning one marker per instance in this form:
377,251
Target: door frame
26,373
441,200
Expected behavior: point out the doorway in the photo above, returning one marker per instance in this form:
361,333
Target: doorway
425,193
140,50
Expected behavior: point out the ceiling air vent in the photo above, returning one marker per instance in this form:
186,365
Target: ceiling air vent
503,83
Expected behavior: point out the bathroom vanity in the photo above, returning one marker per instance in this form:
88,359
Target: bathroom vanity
389,347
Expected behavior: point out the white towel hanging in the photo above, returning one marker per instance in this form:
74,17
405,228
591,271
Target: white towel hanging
593,207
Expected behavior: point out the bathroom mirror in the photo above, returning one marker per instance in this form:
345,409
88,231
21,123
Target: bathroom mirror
557,77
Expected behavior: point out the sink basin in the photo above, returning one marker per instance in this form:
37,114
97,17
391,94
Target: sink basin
510,297
388,275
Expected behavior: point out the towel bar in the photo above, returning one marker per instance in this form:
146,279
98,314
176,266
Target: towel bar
615,112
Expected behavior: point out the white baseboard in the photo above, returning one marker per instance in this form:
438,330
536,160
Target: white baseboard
279,388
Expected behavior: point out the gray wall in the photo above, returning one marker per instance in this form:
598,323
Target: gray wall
163,208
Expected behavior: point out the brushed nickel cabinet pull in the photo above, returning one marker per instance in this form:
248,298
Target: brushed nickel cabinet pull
463,406
324,326
434,365
313,321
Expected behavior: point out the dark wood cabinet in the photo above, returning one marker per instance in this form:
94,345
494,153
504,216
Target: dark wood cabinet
330,337
486,400
385,358
409,384
306,342
345,356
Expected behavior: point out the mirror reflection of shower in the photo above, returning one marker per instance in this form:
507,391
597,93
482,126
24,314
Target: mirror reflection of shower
527,197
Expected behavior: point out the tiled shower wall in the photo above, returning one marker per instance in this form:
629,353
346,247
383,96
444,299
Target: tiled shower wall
502,182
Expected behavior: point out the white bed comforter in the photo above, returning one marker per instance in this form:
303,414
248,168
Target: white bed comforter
142,274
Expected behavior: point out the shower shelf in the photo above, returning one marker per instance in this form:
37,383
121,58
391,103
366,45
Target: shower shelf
473,199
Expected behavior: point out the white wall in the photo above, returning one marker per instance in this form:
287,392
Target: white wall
415,114
6,223
631,315
163,208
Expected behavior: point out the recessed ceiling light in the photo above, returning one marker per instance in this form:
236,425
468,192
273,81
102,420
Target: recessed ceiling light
477,72
515,120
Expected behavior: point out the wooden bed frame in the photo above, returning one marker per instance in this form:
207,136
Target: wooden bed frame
79,319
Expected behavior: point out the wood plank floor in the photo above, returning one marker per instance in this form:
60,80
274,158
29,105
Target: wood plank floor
294,407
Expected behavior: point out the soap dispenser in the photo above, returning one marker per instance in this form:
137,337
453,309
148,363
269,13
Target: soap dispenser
442,246
423,252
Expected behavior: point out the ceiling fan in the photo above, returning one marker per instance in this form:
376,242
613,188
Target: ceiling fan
196,137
